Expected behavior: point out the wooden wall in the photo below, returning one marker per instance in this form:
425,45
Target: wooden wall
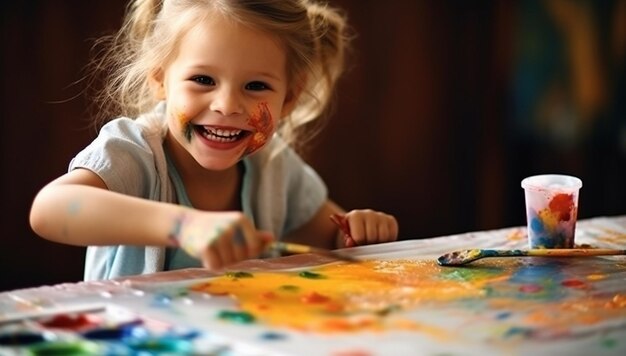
420,128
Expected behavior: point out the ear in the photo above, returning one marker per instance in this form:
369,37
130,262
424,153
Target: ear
291,99
157,84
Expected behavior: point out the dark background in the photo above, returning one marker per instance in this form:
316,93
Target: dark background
446,107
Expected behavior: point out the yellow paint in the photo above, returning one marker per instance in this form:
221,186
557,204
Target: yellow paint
549,219
596,277
377,295
352,297
517,235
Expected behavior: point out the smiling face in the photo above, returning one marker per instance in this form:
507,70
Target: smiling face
224,91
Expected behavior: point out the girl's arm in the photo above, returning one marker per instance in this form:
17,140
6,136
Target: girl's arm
366,227
78,209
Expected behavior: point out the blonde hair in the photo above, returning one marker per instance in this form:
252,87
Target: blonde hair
314,35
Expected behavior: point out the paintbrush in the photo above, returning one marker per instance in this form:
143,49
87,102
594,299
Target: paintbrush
294,248
462,257
342,223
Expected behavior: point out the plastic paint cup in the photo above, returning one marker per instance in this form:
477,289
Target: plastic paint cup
551,210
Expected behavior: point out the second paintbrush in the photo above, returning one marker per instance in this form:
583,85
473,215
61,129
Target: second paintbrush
290,247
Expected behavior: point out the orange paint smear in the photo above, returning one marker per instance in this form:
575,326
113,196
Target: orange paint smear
263,124
352,297
375,295
182,118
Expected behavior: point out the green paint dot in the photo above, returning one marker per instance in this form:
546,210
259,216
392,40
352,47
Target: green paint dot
239,274
311,275
289,287
469,274
236,316
158,346
388,310
609,343
76,348
188,132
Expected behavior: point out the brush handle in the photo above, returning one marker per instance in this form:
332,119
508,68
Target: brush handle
291,247
462,257
575,252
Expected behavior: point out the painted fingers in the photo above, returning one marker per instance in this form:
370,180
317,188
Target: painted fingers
220,238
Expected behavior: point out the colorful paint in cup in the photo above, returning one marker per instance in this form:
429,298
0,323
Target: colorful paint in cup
551,210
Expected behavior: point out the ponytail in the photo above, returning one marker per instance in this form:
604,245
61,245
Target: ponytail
140,18
125,65
330,41
329,31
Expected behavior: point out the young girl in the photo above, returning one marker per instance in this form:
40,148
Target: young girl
205,174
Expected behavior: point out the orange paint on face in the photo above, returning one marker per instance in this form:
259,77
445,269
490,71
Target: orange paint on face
183,121
263,124
182,118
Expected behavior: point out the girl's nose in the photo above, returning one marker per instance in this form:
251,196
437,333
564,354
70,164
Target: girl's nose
226,101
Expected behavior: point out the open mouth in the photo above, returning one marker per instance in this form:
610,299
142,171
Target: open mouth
222,135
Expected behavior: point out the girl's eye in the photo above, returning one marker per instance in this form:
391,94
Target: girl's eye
203,79
257,86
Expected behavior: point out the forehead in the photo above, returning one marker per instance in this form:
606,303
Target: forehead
216,40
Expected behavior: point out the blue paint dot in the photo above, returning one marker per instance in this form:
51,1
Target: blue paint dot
271,336
161,300
513,331
117,333
25,338
536,225
504,315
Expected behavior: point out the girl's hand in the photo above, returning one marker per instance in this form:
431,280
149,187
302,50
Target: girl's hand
370,227
218,238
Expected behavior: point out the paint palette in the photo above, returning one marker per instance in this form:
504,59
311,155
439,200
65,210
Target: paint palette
110,330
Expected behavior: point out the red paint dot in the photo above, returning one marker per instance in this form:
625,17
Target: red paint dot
573,283
268,295
530,288
562,204
355,352
314,297
334,307
65,321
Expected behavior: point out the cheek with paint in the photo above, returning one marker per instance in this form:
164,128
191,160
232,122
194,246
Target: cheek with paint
263,124
183,121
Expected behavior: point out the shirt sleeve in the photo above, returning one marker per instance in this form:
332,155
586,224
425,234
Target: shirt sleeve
121,157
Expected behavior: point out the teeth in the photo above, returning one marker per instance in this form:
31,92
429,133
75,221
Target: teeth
221,135
222,132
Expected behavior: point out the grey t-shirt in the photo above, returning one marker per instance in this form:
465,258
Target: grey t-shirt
280,191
